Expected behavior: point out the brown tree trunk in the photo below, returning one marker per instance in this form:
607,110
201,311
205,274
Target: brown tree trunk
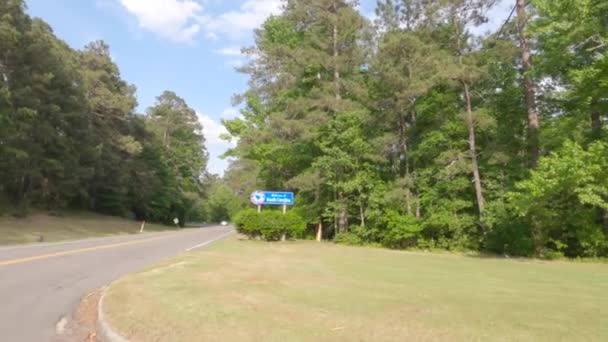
336,216
528,84
343,214
473,150
596,124
604,220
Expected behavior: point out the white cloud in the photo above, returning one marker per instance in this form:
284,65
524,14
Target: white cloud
213,130
216,147
183,20
229,51
236,56
235,63
248,17
212,36
176,20
230,113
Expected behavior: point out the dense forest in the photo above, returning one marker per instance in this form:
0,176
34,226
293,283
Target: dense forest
70,136
416,129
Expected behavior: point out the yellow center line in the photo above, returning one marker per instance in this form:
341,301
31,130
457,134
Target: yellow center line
78,251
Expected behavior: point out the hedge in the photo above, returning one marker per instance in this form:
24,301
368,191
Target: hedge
270,225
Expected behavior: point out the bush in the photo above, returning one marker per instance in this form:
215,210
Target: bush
248,222
349,238
511,238
562,203
270,225
402,230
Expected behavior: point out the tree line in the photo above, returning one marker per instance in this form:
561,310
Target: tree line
70,136
417,130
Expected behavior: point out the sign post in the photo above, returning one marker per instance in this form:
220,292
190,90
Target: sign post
284,199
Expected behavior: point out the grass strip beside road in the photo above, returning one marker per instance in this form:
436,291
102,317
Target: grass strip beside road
255,291
70,226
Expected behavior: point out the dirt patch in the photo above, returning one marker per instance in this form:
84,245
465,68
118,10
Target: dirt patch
81,325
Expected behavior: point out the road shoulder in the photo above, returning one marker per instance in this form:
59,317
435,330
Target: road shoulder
81,325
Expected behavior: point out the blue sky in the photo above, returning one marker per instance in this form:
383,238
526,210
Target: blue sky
187,46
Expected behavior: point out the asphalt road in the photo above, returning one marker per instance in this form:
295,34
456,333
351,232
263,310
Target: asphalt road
41,284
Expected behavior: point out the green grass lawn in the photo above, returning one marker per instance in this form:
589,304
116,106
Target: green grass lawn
254,291
70,226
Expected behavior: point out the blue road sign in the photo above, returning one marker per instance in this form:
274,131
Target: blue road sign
257,198
278,198
272,198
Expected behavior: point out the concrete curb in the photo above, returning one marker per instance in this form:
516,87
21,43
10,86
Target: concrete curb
105,333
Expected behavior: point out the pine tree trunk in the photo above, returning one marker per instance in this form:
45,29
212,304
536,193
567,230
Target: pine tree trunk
604,219
320,231
362,213
4,74
336,65
528,84
343,221
343,215
165,133
403,143
336,216
596,124
473,150
408,192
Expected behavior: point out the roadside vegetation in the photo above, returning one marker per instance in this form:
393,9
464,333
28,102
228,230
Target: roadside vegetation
306,291
420,129
417,129
70,136
40,227
270,225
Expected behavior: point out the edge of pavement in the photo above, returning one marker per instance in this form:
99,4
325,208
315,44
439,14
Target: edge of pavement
105,332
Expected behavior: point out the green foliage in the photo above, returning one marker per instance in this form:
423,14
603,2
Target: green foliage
249,222
561,200
270,225
411,132
573,41
510,234
69,136
417,135
220,204
401,230
349,238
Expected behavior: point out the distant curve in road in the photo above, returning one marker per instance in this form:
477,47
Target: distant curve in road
40,284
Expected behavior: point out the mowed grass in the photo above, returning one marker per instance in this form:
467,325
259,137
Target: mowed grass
69,226
303,291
